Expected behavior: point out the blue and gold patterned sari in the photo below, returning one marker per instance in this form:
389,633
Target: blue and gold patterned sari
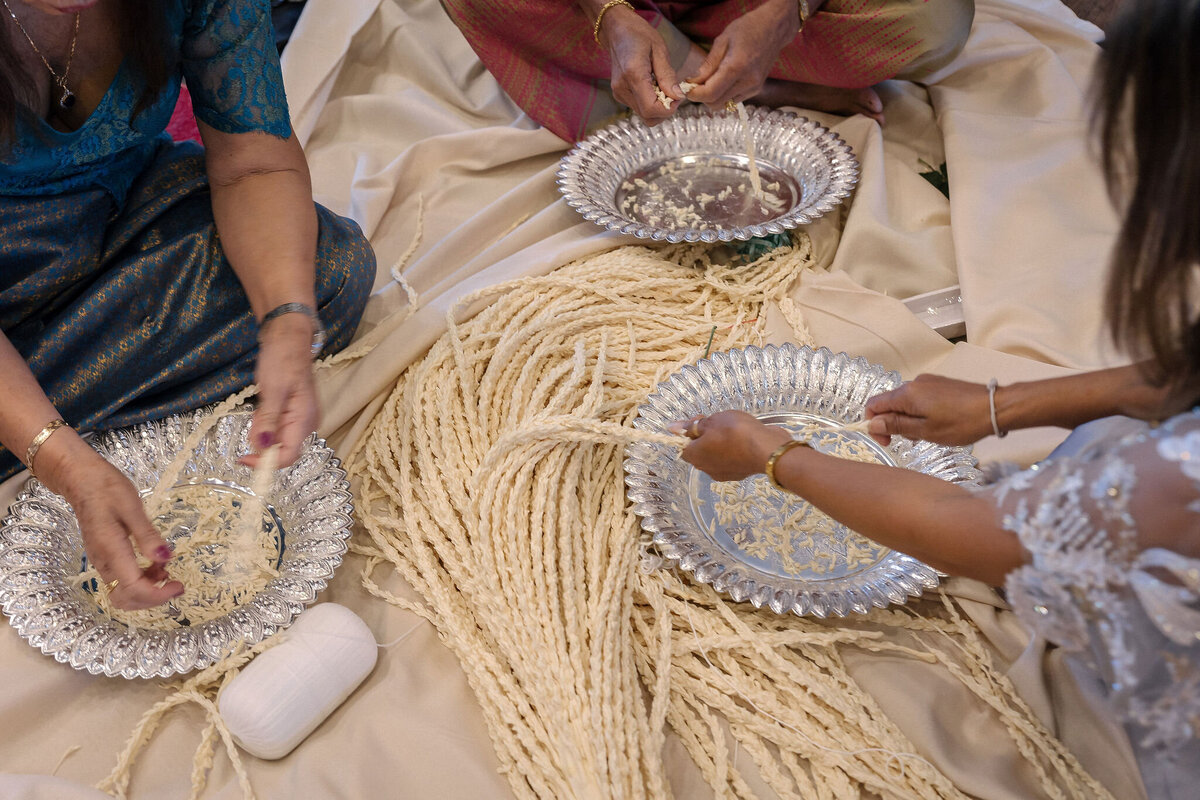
113,285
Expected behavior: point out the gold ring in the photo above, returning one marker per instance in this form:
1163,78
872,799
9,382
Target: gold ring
730,106
693,430
112,584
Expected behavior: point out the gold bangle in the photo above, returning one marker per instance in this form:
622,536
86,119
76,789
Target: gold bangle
804,14
603,11
39,440
773,459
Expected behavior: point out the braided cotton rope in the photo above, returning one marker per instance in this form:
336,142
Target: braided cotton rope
204,686
491,481
202,689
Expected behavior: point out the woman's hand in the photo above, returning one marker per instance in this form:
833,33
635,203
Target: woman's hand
640,61
730,445
933,408
742,55
263,207
287,396
111,519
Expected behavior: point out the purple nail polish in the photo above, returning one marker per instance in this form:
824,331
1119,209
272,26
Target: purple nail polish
164,553
266,439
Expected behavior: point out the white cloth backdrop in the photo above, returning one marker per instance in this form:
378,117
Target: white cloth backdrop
397,114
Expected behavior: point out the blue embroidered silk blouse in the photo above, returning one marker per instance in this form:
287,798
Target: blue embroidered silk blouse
227,56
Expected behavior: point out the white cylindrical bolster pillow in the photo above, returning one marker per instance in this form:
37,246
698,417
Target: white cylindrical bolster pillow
281,696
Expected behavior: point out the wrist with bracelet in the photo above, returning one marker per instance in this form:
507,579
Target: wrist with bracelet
773,460
318,335
604,10
992,386
39,439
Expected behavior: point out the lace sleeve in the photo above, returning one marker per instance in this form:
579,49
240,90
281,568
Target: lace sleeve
232,67
1107,532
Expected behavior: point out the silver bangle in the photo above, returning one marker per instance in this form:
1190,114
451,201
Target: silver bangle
318,338
992,386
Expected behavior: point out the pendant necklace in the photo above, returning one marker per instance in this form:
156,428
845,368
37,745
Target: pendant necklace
67,98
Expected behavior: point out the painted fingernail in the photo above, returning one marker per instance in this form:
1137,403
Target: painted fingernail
266,439
164,553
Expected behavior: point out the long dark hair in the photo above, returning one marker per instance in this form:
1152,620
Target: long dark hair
144,41
1146,107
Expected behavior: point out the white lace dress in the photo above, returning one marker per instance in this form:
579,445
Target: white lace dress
1103,527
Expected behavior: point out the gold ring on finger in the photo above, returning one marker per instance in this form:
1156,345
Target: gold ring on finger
113,584
693,430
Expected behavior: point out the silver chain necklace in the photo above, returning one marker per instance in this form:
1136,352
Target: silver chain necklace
67,98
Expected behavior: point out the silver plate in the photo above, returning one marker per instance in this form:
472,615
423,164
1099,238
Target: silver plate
790,386
41,551
623,176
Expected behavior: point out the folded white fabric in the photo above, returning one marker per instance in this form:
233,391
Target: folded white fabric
45,787
281,696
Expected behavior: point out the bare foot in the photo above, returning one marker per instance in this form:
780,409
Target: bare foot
821,98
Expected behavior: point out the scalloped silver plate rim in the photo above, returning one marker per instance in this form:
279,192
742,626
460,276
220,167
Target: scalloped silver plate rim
845,176
898,577
95,664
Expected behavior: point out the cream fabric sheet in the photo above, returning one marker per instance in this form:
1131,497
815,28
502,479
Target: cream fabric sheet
398,115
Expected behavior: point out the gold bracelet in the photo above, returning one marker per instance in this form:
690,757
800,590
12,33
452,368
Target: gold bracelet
40,440
603,11
773,459
804,14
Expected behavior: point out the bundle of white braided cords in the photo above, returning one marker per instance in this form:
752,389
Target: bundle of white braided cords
491,482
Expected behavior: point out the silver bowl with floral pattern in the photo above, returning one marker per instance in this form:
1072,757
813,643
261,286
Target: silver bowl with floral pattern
308,511
687,179
744,537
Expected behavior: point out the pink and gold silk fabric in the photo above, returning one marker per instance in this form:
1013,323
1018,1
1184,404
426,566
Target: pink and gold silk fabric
543,54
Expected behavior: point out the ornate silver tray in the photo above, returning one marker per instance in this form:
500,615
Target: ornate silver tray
741,538
308,514
687,179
